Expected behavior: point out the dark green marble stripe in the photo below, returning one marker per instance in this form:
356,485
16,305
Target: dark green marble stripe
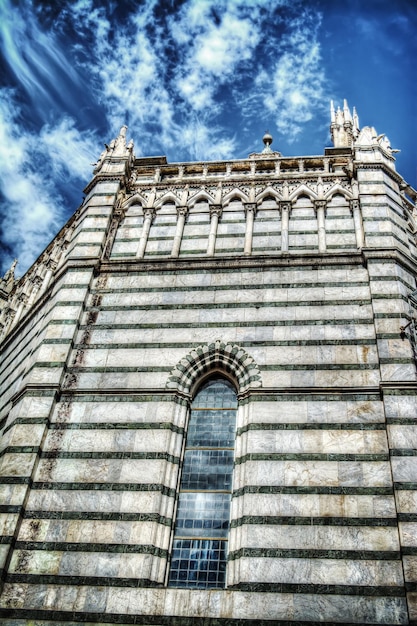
92,581
343,590
124,455
394,316
6,539
389,296
235,305
93,230
392,391
111,548
106,619
27,420
108,370
107,581
64,342
390,279
268,368
110,486
320,366
289,553
127,397
232,287
396,361
299,456
314,396
241,324
313,266
266,426
20,450
297,520
407,517
15,480
244,344
65,303
403,452
82,244
117,426
314,490
10,508
107,516
405,486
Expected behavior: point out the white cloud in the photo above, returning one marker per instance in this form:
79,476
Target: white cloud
165,79
176,79
35,57
294,87
32,210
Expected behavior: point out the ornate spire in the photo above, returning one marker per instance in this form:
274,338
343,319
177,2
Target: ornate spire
344,129
116,148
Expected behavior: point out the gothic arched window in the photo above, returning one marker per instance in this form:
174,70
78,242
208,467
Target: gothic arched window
199,550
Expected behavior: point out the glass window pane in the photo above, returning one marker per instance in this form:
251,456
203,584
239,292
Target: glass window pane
203,515
212,428
205,489
217,393
198,563
207,469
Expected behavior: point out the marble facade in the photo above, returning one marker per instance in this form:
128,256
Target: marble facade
293,277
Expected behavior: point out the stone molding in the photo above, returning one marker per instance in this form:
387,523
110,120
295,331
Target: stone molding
220,357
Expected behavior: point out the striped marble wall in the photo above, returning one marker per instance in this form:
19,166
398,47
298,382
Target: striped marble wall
98,379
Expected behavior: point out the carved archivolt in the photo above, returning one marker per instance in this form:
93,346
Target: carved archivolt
228,358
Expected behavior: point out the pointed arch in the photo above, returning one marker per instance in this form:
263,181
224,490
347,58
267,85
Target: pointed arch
169,196
303,190
235,194
268,192
338,189
136,198
226,358
200,195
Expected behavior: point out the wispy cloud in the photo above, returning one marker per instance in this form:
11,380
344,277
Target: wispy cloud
36,58
32,210
183,81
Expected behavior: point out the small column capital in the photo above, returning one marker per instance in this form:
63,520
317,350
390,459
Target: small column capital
216,209
354,204
285,205
320,204
36,281
22,298
182,210
150,214
250,207
51,264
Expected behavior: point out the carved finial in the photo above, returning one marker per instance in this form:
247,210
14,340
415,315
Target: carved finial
346,112
343,128
8,280
332,112
355,121
267,139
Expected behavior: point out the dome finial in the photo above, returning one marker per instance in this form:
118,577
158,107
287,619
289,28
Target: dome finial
267,139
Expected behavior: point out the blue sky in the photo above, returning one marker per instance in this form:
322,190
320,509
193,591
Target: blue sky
194,80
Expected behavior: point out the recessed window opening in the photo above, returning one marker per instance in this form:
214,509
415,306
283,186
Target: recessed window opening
199,551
